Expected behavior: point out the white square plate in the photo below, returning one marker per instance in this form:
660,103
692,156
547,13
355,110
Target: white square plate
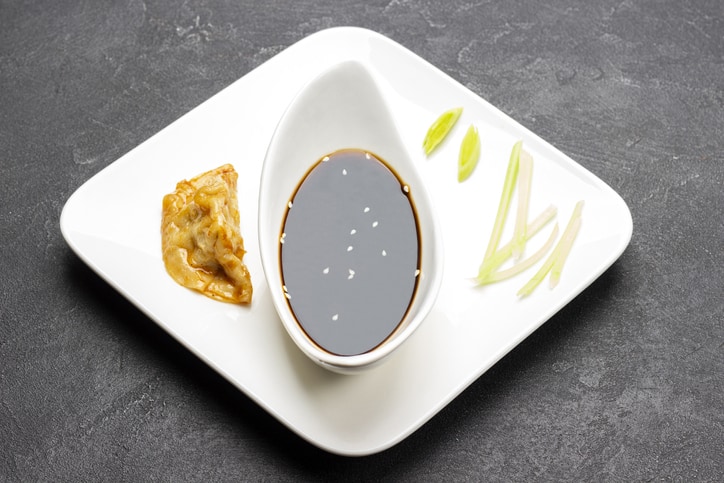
113,223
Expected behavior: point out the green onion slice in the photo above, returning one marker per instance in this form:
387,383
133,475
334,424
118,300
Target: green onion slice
559,254
525,175
500,256
525,264
469,153
440,129
508,185
565,248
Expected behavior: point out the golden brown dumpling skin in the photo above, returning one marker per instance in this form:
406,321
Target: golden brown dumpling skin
200,238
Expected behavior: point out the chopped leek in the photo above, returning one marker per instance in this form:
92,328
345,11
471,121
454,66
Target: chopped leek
525,175
559,254
500,256
525,264
469,154
440,129
508,185
520,172
565,248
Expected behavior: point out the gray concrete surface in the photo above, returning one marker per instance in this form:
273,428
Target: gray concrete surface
624,384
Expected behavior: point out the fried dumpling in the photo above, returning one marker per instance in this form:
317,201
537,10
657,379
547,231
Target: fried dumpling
200,236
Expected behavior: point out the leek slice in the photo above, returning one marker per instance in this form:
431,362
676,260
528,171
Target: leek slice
525,175
508,185
440,129
559,252
566,243
469,153
492,263
525,264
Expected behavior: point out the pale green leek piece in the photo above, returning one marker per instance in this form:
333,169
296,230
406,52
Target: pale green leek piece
525,264
565,243
559,254
525,175
508,186
469,153
440,129
491,264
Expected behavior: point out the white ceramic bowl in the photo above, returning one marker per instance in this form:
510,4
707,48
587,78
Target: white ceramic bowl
343,108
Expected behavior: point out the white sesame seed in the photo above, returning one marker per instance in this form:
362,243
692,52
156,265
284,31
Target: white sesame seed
325,271
417,272
344,172
367,155
384,253
335,317
367,209
374,224
289,204
353,231
350,248
406,189
325,159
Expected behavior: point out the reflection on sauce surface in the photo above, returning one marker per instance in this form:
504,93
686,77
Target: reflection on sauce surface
350,252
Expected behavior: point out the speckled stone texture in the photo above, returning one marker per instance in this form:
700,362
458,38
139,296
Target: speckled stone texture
624,384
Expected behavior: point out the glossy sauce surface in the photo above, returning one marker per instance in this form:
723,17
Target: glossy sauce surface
350,252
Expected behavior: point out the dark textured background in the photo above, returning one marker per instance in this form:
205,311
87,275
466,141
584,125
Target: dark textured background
624,384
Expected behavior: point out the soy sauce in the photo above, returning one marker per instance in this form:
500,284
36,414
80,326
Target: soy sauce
350,252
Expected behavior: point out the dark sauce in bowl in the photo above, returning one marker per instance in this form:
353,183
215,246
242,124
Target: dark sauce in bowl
350,252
